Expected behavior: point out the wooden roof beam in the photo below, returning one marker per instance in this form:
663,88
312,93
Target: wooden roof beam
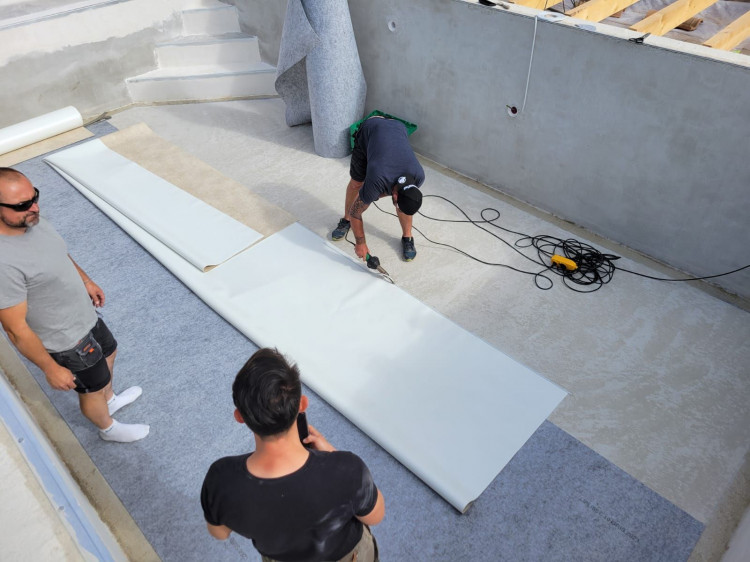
536,4
732,35
671,16
597,10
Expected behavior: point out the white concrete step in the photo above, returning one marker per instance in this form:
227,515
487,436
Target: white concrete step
210,21
208,49
205,82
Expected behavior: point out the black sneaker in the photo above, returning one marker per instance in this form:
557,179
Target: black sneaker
340,231
410,252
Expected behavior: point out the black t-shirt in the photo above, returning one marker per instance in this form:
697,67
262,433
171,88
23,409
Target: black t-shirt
308,515
389,156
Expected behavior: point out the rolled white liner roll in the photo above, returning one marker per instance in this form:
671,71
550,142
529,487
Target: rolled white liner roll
39,128
447,405
196,231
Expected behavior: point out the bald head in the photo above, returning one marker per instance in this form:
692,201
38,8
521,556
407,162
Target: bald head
10,175
16,188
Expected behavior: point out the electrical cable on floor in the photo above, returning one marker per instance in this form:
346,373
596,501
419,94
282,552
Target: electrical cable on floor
538,276
583,268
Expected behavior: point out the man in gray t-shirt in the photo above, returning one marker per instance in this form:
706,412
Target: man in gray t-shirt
46,309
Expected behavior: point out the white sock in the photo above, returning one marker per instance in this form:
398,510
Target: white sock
124,432
123,399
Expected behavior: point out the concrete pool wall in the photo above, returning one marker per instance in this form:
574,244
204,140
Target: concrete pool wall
645,144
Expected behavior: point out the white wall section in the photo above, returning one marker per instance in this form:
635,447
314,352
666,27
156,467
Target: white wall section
39,128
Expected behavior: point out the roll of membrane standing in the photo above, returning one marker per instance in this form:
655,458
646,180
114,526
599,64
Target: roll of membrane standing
39,128
319,75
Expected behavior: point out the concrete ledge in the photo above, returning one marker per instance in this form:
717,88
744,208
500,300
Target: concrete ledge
93,485
673,45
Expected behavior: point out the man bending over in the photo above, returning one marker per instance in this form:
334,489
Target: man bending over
383,164
295,503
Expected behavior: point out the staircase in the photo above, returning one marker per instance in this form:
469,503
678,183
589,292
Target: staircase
212,60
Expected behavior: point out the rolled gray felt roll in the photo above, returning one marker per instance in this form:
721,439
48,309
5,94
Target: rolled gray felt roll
319,75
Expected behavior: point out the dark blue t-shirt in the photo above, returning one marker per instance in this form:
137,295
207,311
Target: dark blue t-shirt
385,143
307,515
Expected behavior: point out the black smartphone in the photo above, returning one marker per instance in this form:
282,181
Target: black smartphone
302,428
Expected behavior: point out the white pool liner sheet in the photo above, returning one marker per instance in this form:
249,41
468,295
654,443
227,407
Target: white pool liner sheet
447,405
144,147
39,128
199,233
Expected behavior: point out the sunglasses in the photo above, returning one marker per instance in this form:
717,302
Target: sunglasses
23,205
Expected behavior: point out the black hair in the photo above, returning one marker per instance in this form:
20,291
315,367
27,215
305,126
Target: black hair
267,393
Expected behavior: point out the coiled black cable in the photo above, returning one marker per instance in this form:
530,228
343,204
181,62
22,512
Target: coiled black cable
594,270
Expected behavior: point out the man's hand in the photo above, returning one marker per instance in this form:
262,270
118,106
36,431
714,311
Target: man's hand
60,378
28,343
318,442
95,292
361,249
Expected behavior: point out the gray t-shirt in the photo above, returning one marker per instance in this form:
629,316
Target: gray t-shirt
35,267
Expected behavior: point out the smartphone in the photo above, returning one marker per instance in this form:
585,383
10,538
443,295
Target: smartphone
302,428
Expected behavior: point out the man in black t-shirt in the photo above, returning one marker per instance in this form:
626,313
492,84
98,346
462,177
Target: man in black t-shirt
383,164
294,503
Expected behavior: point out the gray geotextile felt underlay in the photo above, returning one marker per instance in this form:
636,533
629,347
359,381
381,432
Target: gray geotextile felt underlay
319,75
556,500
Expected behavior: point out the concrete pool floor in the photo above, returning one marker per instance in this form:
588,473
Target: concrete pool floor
657,372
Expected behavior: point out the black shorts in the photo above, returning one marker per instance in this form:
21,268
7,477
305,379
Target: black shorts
358,164
88,359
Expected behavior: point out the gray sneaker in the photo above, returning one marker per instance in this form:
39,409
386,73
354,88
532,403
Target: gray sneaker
410,252
340,231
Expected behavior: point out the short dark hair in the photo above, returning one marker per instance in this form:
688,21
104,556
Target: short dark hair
267,393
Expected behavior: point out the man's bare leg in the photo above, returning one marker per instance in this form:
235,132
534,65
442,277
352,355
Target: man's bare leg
342,229
117,401
407,242
108,392
406,222
94,407
352,190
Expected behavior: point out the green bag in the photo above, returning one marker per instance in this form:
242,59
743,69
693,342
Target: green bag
354,127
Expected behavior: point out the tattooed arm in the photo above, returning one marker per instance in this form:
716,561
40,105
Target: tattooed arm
360,246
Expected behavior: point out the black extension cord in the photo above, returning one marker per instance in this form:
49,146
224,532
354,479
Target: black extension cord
594,268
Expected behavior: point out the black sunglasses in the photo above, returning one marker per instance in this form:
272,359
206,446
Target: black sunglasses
23,205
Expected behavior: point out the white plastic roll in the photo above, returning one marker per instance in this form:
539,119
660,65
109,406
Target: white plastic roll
39,128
